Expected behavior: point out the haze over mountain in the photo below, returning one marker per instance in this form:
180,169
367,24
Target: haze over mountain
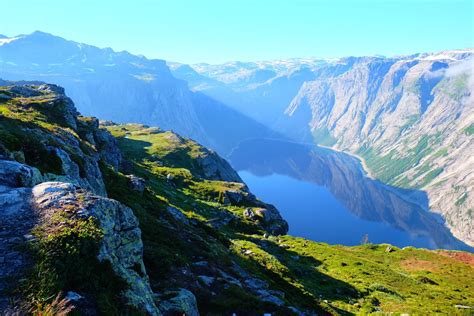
352,193
123,87
410,117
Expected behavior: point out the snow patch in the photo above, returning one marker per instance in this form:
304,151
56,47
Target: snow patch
8,40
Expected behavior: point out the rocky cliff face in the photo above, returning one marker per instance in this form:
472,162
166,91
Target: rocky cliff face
40,126
53,202
409,118
120,244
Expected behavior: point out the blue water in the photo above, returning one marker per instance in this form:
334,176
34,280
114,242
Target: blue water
314,213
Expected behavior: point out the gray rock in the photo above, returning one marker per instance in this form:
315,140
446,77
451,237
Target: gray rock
268,215
121,244
256,284
235,197
17,218
208,280
136,183
266,296
216,168
248,213
15,174
90,177
182,302
177,215
229,279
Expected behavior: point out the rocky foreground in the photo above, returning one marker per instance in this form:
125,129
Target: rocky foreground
114,219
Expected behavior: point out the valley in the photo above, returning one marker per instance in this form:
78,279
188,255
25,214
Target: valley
408,118
134,219
298,186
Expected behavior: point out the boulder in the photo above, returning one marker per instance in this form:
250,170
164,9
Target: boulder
15,174
177,214
248,213
234,196
121,244
181,302
136,183
86,174
268,215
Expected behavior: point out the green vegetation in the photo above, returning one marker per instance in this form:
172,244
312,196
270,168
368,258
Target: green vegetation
322,136
192,228
335,279
65,254
410,121
389,167
33,126
461,200
469,130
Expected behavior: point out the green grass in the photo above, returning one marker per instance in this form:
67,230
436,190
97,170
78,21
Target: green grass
390,166
66,258
461,200
333,279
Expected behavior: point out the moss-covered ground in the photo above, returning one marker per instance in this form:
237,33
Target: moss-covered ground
327,278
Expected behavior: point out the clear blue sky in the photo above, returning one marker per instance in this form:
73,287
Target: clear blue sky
221,30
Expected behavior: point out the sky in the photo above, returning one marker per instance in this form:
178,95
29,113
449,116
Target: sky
216,31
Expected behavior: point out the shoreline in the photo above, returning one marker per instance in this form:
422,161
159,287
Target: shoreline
365,168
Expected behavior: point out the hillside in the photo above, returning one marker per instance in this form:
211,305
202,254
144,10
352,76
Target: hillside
128,217
123,87
409,117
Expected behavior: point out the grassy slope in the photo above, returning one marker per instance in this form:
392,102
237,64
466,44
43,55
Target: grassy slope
337,279
316,276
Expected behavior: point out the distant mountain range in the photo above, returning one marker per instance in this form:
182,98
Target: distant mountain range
410,117
123,87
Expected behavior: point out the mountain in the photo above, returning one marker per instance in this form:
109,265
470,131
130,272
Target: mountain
129,219
341,174
411,121
410,118
123,87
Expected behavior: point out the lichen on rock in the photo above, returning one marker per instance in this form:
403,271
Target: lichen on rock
121,244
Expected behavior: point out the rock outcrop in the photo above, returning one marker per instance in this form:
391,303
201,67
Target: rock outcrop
121,244
67,147
411,118
178,302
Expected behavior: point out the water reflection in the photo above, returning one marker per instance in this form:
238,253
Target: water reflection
326,196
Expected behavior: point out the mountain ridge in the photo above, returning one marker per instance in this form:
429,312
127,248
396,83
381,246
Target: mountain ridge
362,105
144,90
178,233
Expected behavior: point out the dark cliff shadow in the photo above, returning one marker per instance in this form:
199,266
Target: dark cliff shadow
342,175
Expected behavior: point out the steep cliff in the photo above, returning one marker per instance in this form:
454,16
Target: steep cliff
123,87
409,118
179,233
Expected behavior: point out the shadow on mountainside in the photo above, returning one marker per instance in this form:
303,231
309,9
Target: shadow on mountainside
180,250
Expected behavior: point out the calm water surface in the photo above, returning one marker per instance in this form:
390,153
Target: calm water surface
314,213
326,196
